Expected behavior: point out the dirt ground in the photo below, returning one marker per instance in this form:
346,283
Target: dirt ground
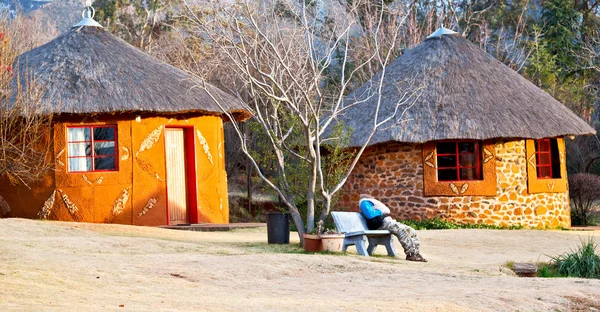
57,266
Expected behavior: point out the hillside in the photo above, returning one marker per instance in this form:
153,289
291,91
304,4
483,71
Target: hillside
64,13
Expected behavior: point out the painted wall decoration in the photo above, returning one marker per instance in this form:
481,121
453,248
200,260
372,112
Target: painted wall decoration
47,207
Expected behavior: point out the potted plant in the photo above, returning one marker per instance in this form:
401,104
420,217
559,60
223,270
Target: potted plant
323,240
332,240
312,241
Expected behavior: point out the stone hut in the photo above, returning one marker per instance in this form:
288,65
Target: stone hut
134,140
477,144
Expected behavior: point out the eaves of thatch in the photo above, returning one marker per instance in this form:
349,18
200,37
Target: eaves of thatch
460,92
90,71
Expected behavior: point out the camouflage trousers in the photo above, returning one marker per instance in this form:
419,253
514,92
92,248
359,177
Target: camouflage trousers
406,235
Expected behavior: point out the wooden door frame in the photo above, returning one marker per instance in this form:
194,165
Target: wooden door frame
190,164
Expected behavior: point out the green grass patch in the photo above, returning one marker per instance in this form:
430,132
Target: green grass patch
582,262
547,270
439,224
510,265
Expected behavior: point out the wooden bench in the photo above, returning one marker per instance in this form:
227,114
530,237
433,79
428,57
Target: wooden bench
354,226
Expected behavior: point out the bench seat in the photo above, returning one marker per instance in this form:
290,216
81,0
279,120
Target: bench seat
354,227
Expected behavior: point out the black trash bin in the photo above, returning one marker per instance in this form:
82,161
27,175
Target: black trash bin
278,228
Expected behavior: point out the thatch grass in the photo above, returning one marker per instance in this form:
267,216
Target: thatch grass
466,94
89,70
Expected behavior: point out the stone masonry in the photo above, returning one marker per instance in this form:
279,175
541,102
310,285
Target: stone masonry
393,173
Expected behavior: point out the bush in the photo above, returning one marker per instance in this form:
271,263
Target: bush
439,224
583,262
584,190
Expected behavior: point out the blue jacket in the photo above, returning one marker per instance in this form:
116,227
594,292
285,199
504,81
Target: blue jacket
366,207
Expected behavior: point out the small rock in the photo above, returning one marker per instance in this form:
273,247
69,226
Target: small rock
525,269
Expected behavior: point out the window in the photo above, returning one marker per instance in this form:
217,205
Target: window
458,160
546,165
92,148
459,168
547,160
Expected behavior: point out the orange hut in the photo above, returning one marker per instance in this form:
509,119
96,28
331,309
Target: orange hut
135,141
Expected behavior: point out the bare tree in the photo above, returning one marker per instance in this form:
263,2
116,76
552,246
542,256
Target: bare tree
26,33
296,71
24,121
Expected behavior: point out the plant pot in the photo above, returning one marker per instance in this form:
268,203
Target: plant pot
278,228
333,242
312,243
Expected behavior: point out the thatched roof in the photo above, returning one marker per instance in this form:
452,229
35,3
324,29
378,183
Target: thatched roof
88,70
466,94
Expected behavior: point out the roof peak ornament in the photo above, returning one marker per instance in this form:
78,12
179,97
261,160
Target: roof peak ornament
88,16
440,32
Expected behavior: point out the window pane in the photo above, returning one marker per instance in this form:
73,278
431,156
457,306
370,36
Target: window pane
446,161
556,174
104,148
80,149
544,172
78,134
104,134
468,160
543,159
104,163
80,164
468,174
543,145
466,147
446,148
447,175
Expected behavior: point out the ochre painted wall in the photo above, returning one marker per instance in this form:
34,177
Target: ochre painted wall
136,193
393,173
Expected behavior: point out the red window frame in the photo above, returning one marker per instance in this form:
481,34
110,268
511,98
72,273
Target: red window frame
539,163
92,141
457,155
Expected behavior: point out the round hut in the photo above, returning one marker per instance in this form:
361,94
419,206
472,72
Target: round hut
477,144
135,140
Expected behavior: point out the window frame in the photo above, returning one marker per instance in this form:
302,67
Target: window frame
486,186
115,155
458,166
537,184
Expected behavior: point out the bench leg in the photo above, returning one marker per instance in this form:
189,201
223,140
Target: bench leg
389,245
361,248
372,247
358,241
387,241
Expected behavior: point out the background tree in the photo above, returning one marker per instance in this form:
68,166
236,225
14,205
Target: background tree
24,122
295,72
138,22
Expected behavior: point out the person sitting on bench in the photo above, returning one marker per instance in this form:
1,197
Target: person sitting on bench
378,218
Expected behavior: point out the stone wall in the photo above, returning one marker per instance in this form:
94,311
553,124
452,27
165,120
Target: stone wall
393,173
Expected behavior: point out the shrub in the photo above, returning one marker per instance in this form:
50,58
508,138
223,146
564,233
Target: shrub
583,262
584,190
439,224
